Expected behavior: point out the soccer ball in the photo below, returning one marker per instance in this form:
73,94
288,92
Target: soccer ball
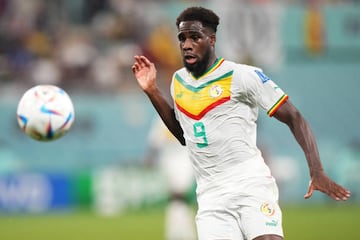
45,112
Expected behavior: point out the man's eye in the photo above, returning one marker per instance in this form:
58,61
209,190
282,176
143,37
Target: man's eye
195,38
181,38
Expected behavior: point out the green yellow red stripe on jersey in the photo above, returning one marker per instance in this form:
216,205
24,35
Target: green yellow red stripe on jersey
277,105
195,102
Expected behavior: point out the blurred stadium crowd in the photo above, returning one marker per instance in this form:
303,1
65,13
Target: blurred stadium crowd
88,45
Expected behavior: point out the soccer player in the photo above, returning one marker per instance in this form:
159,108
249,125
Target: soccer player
216,104
174,163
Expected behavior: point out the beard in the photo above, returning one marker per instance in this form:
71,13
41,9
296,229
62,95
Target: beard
200,66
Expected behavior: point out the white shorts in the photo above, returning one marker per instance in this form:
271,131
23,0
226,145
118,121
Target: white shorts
245,217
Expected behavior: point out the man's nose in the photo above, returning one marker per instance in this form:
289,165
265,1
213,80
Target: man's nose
187,44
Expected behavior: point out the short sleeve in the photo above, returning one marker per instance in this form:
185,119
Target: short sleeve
264,91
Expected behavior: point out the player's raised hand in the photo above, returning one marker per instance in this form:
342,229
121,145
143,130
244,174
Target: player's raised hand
323,183
145,72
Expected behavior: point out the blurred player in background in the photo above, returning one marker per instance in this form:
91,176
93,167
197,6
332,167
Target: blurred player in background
165,151
216,104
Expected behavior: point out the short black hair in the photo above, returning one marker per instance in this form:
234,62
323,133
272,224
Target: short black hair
206,16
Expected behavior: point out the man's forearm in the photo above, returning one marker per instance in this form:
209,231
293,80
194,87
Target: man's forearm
167,114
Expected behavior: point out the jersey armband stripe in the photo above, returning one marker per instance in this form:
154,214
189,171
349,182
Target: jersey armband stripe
276,106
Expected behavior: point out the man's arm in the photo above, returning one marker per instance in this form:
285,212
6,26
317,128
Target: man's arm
303,134
145,73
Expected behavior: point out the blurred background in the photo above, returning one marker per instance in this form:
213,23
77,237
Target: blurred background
310,48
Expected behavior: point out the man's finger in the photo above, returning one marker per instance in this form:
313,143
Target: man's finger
309,192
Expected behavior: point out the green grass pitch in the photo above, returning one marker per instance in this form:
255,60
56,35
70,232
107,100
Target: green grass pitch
333,221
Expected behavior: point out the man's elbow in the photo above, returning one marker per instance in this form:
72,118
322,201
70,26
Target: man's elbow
182,141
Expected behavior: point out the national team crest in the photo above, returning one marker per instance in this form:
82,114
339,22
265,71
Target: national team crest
215,91
267,209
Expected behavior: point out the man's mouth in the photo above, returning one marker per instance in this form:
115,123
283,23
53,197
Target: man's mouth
189,59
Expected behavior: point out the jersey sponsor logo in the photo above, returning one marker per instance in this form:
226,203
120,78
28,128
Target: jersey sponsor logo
267,209
195,102
272,223
262,76
179,95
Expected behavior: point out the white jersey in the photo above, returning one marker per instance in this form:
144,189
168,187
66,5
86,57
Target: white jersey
218,113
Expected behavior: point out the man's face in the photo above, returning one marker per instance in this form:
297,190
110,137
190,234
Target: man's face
196,45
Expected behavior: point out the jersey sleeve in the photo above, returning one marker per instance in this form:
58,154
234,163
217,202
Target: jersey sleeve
266,94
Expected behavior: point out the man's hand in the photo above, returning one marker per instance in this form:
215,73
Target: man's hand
323,183
145,73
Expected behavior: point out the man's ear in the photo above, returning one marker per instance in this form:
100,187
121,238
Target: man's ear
212,39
